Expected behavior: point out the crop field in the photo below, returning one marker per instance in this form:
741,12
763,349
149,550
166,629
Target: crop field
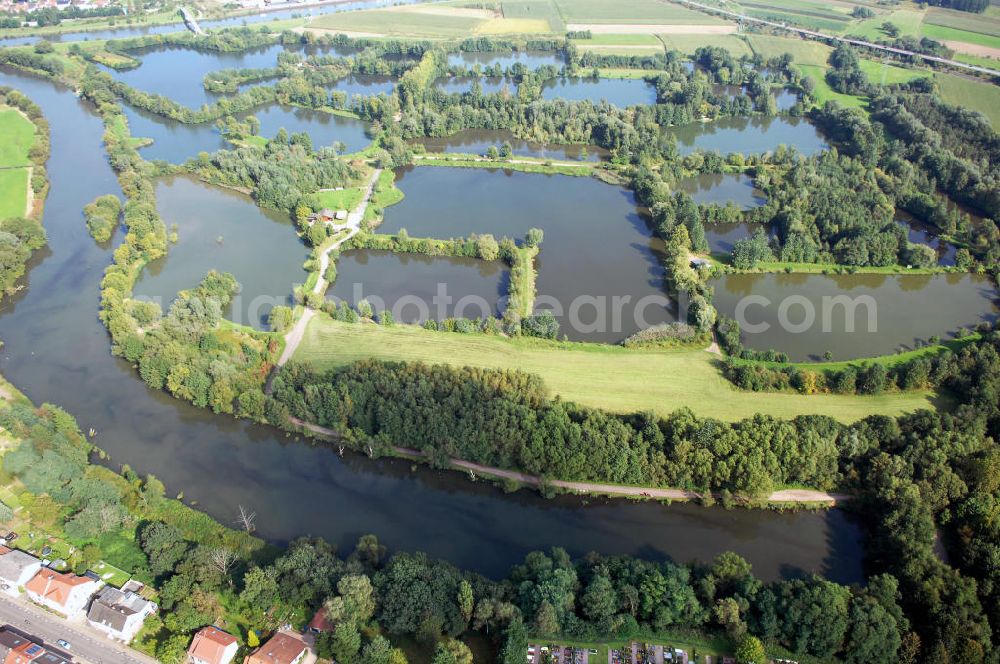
399,23
534,10
815,15
596,375
982,97
631,12
987,23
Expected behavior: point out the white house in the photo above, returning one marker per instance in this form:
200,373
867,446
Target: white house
119,613
67,594
16,569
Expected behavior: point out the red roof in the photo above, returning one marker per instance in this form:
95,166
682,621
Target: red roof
281,648
209,645
55,586
320,623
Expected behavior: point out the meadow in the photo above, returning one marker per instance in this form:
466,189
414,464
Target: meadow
602,376
17,134
979,96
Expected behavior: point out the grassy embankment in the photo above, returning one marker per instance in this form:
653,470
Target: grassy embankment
17,135
521,164
597,375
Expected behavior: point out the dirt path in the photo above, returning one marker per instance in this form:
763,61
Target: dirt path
499,163
353,224
596,488
29,197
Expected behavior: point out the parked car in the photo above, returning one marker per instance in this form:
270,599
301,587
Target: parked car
63,643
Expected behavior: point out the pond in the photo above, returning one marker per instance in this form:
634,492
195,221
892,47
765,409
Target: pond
753,135
599,269
416,288
488,85
177,142
921,233
224,230
56,350
366,85
798,313
722,188
478,141
620,92
530,59
722,238
178,72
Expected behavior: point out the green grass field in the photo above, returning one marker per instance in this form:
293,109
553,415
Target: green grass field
596,375
17,135
907,20
942,33
987,23
979,96
804,52
534,9
689,43
824,92
346,199
13,192
631,11
886,74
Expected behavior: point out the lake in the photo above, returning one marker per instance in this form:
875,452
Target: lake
600,267
55,349
530,59
177,142
619,92
224,230
752,135
478,141
416,288
722,188
891,313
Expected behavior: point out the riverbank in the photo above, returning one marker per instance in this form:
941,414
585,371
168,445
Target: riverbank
797,497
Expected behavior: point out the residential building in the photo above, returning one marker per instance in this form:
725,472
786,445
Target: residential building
119,613
282,648
212,646
67,594
320,622
17,647
16,569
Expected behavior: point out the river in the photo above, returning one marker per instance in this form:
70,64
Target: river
56,350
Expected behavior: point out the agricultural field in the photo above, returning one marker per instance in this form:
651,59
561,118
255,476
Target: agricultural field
826,16
804,52
979,96
631,12
596,375
438,21
690,43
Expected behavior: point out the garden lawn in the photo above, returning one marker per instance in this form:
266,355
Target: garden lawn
13,192
979,96
608,377
345,199
17,135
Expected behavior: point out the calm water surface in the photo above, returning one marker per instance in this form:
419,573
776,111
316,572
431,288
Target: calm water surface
620,92
56,350
415,287
753,135
177,142
224,230
597,249
530,59
893,312
722,188
478,141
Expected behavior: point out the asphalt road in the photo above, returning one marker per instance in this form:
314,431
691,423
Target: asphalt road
86,644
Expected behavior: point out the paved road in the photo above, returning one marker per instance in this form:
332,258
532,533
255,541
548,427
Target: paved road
86,645
847,40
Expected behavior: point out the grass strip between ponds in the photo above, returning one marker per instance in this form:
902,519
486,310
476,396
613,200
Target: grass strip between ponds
597,375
